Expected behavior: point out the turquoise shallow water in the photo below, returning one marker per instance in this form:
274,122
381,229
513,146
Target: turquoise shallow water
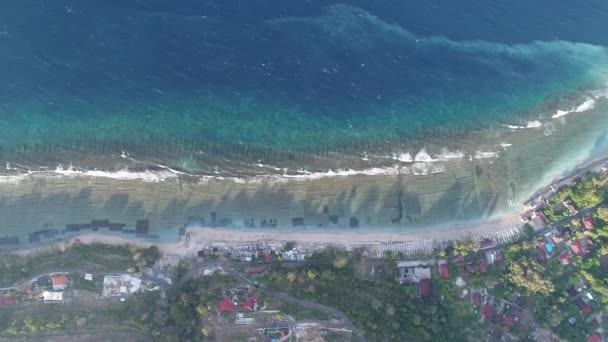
235,88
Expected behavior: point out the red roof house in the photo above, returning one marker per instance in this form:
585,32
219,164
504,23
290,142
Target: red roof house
564,258
445,271
226,306
576,247
476,299
487,311
594,338
508,321
426,289
587,309
588,222
250,303
8,301
59,282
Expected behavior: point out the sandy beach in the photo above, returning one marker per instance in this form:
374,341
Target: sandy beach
202,237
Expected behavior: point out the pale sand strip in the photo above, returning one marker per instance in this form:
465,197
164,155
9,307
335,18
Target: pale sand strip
200,237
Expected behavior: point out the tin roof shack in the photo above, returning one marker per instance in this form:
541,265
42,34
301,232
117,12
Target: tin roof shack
122,285
59,282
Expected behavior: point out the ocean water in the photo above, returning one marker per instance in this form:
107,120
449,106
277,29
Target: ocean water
471,90
289,76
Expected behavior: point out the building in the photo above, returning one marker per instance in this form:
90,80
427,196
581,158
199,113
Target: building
52,296
445,271
426,288
564,258
570,206
251,303
588,221
476,299
576,247
226,306
59,282
8,301
114,286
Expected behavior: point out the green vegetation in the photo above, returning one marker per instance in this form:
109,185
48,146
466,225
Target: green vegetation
380,310
79,283
95,257
588,193
300,313
191,305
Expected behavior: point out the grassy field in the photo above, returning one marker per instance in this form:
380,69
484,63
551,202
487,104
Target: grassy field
92,258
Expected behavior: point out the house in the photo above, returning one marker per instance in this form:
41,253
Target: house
570,206
8,301
508,321
576,247
564,258
586,309
251,303
59,282
476,299
594,338
445,271
49,296
426,288
226,306
588,221
487,311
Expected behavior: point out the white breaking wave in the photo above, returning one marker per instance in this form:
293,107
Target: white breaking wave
403,157
423,156
583,107
446,155
588,104
531,124
125,174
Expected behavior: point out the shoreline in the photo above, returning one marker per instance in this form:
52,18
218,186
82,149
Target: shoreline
199,237
205,236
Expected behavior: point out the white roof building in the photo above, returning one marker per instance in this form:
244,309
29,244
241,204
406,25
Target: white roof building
50,296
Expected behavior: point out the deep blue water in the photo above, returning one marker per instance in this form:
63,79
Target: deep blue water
289,73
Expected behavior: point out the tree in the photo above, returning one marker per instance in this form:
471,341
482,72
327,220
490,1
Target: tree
602,214
528,230
528,275
462,248
340,262
291,277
